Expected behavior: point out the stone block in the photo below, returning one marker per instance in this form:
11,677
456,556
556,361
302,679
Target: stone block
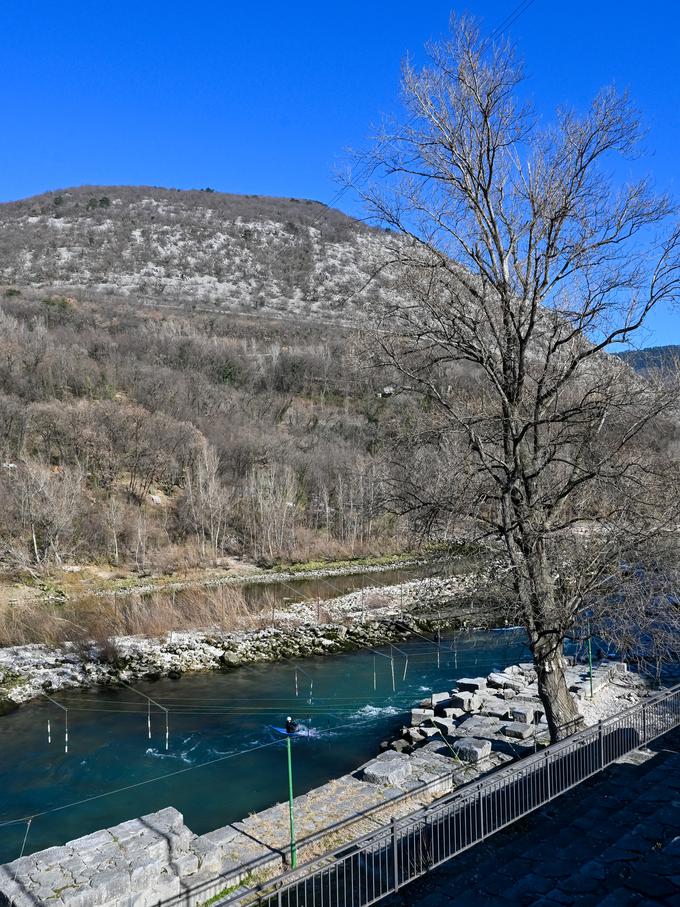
144,872
111,885
187,864
13,893
420,715
400,746
446,725
518,729
533,708
523,712
53,856
166,889
451,712
516,684
494,707
496,680
469,702
438,698
479,726
88,847
471,684
74,866
210,856
414,735
84,896
220,837
387,756
470,749
388,773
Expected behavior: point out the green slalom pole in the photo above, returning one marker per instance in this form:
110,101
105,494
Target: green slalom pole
293,847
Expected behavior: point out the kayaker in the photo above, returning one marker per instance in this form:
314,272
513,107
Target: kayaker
291,725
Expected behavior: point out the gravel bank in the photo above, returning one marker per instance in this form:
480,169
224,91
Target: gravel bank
362,619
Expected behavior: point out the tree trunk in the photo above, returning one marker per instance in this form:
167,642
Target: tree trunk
560,707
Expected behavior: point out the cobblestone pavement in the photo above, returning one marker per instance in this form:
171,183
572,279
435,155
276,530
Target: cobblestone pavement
613,841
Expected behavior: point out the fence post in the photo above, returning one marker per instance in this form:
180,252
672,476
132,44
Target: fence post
481,811
395,853
547,775
279,899
601,741
644,722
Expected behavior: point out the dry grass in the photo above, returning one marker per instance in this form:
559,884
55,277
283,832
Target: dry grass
105,616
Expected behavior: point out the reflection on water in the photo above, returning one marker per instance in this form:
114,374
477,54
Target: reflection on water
311,588
223,760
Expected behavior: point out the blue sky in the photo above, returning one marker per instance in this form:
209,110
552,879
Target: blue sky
264,97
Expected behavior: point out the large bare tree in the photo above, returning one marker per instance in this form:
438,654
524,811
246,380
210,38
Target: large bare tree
520,264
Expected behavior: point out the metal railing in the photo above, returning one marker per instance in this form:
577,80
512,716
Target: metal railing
364,871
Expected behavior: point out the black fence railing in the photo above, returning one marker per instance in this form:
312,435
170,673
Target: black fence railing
364,871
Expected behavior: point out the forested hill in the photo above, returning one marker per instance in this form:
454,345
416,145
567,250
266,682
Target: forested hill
171,392
653,358
196,248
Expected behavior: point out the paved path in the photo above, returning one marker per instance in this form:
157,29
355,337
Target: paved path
614,842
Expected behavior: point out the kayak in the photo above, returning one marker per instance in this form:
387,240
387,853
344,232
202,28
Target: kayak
301,731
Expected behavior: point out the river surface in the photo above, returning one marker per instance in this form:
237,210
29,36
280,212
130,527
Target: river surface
223,759
261,595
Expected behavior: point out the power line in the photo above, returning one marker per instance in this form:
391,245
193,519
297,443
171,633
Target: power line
181,771
120,790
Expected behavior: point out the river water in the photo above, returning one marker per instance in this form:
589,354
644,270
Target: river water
261,595
223,760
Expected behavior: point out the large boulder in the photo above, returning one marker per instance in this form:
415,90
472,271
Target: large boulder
495,707
420,715
445,725
472,684
468,702
470,749
450,712
518,730
528,712
388,771
479,726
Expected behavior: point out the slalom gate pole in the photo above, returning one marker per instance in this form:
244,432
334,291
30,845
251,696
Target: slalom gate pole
293,846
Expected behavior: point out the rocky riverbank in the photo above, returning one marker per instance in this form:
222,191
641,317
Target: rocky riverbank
364,619
484,722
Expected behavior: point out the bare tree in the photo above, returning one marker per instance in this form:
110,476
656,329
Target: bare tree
520,265
207,502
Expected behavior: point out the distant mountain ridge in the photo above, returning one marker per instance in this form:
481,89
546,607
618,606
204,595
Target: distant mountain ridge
233,252
653,358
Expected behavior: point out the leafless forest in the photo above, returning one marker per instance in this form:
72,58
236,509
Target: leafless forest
161,440
169,391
